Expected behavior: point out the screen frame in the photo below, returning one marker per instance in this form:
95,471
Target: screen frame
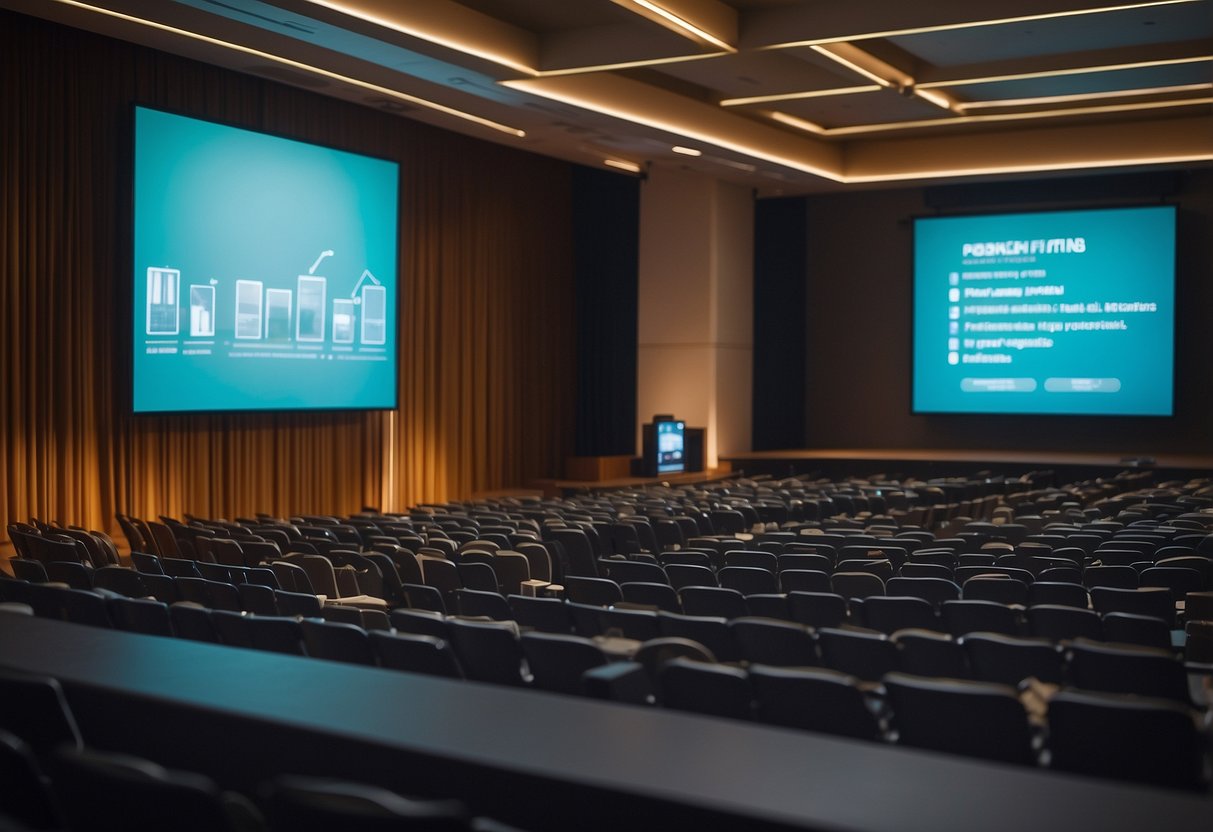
126,294
1024,415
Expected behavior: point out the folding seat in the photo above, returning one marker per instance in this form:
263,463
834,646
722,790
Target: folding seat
233,628
881,568
813,699
977,719
600,592
474,603
161,587
631,571
307,804
768,605
342,614
817,609
415,653
36,710
748,580
800,561
30,571
192,621
1152,601
488,651
1119,669
84,607
73,573
1063,623
442,575
659,595
1008,660
539,560
856,584
296,603
420,622
963,617
1142,630
889,613
275,634
221,596
774,642
1061,574
750,558
1203,565
1179,580
138,615
710,689
109,791
684,575
1118,577
1058,593
712,601
121,580
578,550
712,632
913,569
557,662
865,655
685,557
26,797
548,615
804,580
374,619
337,642
639,625
422,597
1146,741
1001,590
928,653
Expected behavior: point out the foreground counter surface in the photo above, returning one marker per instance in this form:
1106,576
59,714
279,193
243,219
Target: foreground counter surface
538,760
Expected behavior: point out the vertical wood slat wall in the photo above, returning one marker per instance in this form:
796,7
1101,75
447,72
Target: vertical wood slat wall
486,343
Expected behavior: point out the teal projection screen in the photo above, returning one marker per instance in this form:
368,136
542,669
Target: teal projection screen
264,271
1063,312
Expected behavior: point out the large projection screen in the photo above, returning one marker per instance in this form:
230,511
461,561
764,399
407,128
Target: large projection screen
264,271
1062,312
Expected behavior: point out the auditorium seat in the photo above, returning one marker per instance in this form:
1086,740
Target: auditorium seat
866,655
140,615
415,653
839,705
548,615
1008,660
1060,623
977,719
308,804
1119,669
889,613
710,689
712,632
488,651
774,642
557,662
712,601
193,621
929,653
659,595
26,797
963,617
1141,740
108,791
748,580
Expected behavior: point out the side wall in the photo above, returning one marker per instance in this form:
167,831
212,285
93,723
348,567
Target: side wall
487,311
856,382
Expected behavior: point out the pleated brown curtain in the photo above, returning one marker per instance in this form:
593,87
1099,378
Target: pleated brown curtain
486,337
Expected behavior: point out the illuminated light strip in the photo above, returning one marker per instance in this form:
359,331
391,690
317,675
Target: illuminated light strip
630,167
1051,73
676,129
686,151
677,24
937,98
945,27
860,129
796,96
1090,96
580,70
832,52
1029,168
458,46
247,50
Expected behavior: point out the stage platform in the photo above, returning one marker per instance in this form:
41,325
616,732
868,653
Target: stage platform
924,463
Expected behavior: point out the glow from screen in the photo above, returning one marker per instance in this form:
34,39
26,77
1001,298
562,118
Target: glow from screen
1065,312
264,271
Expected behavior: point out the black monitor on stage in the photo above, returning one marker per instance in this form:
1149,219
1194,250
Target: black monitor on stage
664,441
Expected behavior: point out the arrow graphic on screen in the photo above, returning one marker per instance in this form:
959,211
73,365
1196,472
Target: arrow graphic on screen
358,286
323,254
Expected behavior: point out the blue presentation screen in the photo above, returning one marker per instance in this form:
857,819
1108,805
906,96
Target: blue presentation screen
264,271
1065,312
